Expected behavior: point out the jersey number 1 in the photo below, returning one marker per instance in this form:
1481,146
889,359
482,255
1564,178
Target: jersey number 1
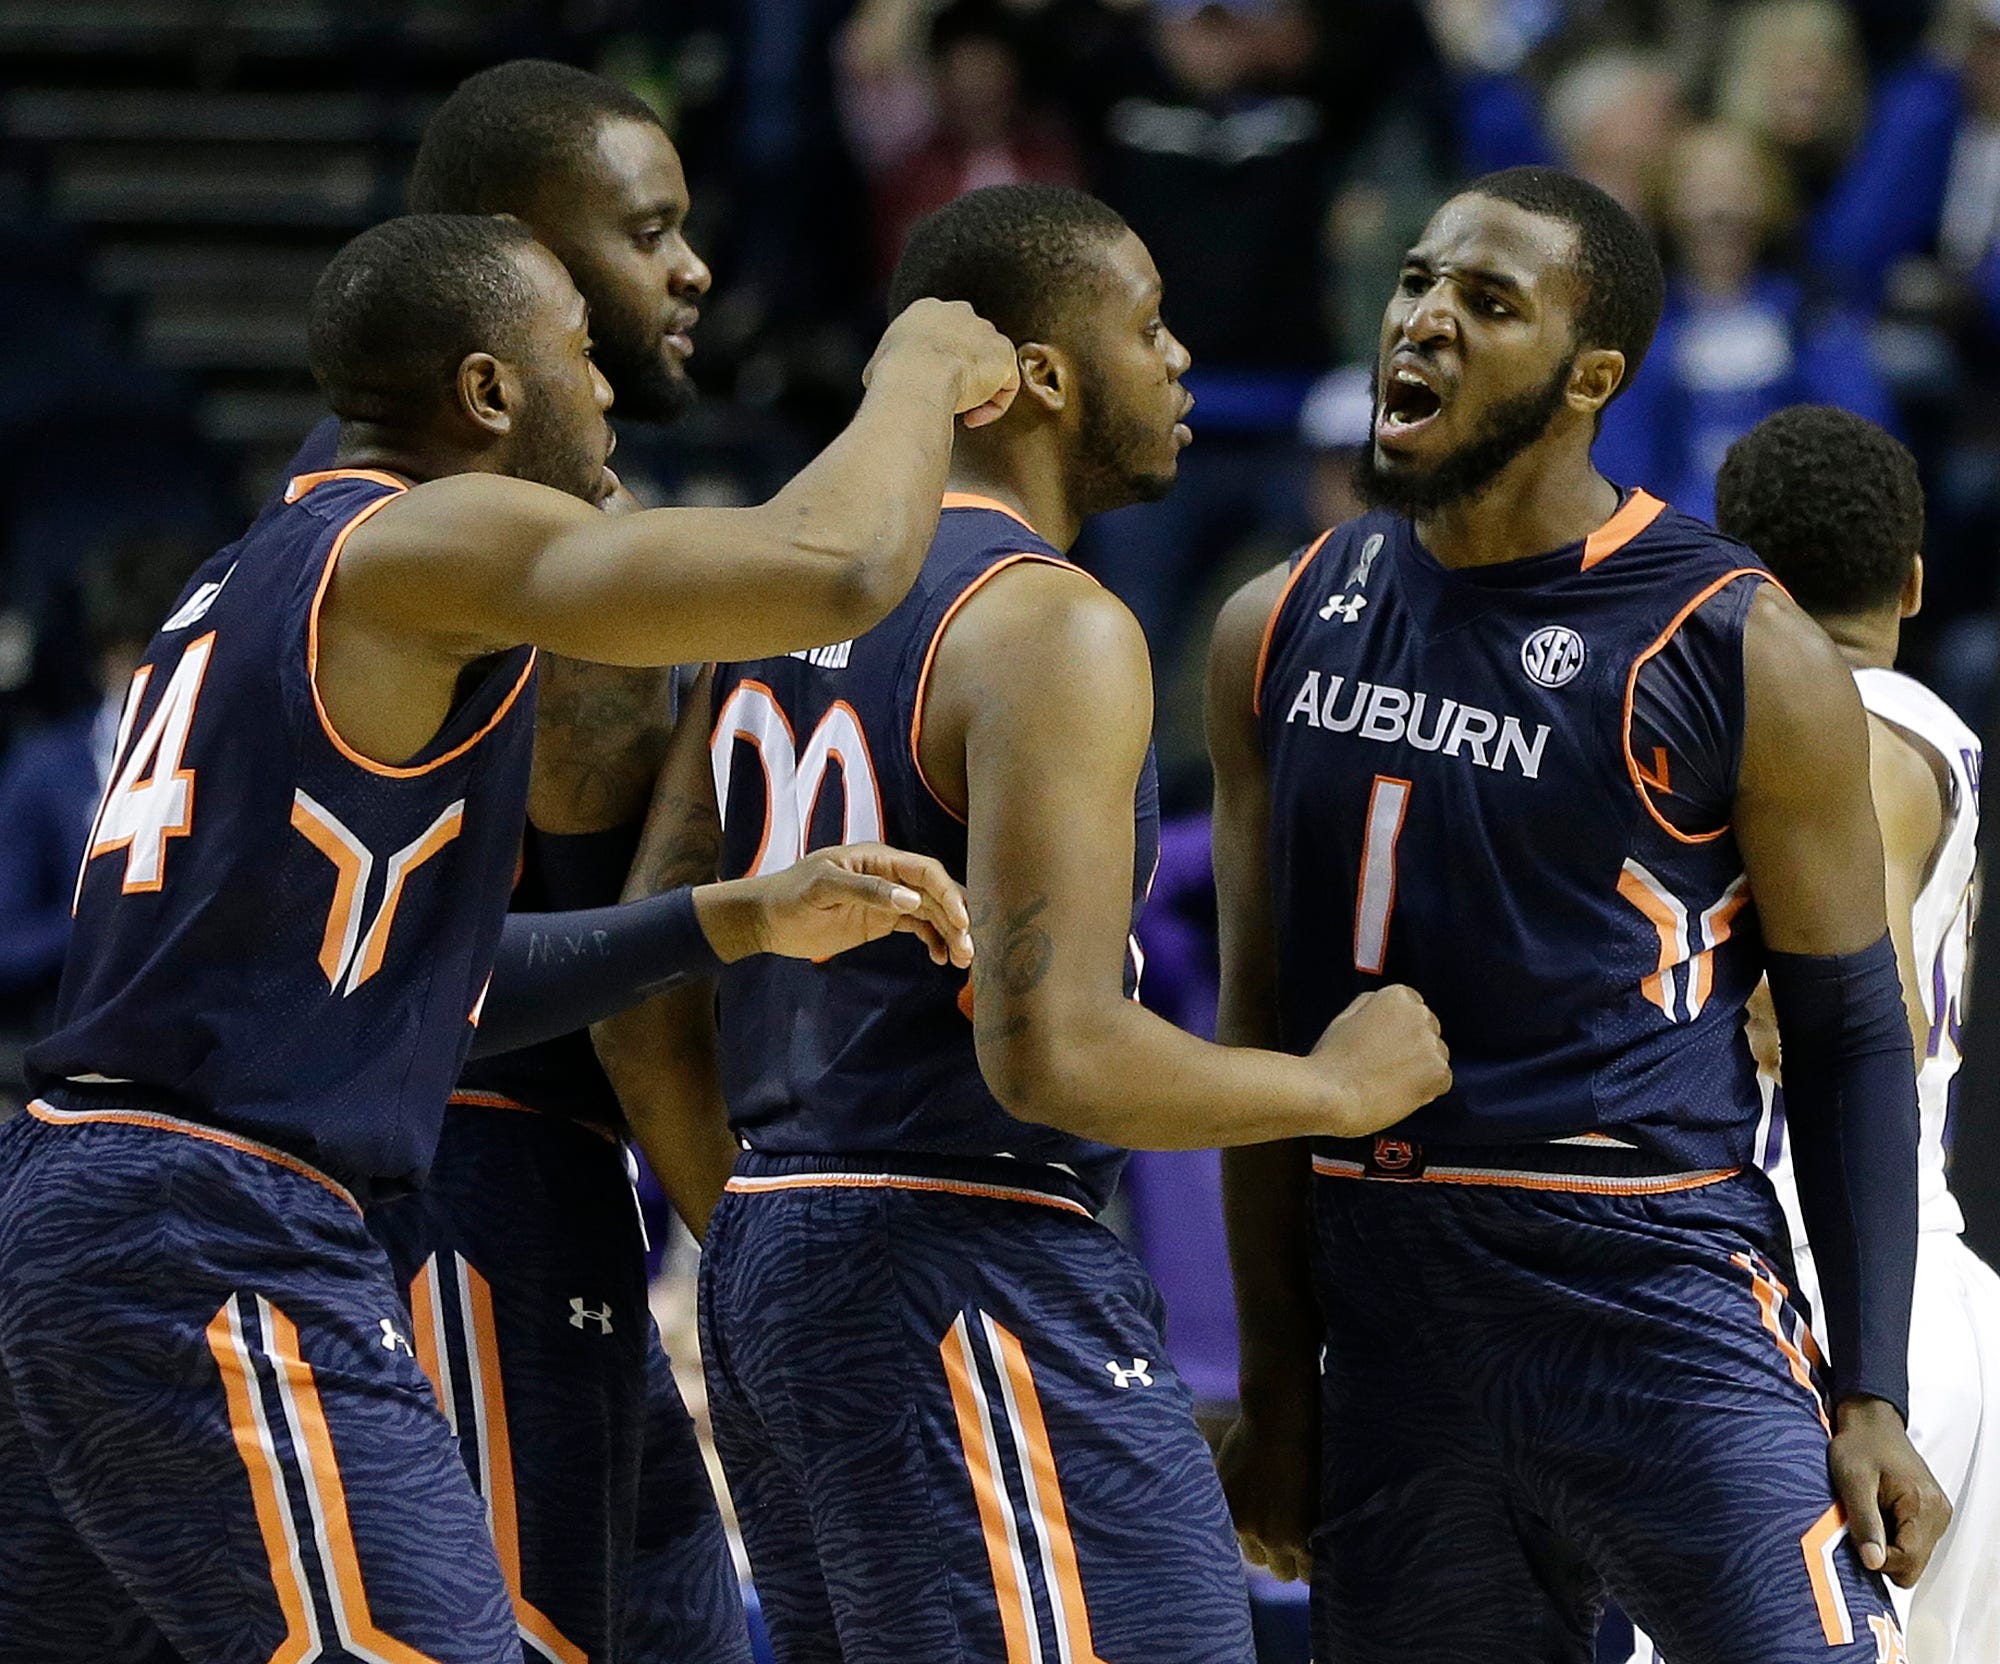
150,797
1375,896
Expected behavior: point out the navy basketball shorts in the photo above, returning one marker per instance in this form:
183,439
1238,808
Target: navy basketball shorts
214,1434
1533,1395
523,1259
951,1431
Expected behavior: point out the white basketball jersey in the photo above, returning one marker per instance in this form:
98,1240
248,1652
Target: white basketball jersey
1940,936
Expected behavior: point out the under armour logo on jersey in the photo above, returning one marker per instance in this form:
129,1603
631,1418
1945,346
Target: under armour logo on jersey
1889,1644
1137,1374
1348,606
1369,550
1552,655
392,1341
580,1314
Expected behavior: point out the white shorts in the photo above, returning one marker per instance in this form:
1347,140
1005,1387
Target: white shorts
1953,1615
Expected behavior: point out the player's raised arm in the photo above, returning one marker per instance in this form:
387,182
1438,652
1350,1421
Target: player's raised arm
1039,710
1270,1471
1806,825
474,563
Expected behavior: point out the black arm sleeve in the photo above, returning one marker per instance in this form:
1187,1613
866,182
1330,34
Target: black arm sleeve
556,973
1851,1102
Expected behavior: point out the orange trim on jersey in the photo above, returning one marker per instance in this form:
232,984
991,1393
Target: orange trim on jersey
738,732
1331,1167
467,1098
496,1450
390,771
44,1111
1634,515
440,832
1818,1544
301,484
1670,928
937,635
424,1336
975,1437
1631,693
267,1486
1271,623
972,499
1704,962
1770,1297
350,866
1047,1498
322,1473
752,1185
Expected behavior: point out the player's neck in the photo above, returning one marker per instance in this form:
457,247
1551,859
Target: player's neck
1535,504
1030,486
1866,641
415,457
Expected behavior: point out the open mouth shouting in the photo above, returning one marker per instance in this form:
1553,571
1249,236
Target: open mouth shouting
1408,400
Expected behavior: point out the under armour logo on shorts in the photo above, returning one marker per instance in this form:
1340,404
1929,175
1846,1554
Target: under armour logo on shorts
580,1314
391,1340
1136,1375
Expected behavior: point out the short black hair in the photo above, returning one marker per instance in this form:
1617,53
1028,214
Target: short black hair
1624,288
496,140
1830,502
1017,254
396,311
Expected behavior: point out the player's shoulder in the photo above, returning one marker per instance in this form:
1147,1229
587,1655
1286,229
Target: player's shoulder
1675,538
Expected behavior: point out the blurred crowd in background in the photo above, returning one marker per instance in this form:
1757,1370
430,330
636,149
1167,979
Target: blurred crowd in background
1823,177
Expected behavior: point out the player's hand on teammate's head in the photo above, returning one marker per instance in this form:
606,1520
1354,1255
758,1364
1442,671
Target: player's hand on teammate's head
1386,1058
988,373
1896,1511
837,899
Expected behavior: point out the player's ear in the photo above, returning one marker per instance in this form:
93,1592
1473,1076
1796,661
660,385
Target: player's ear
1594,377
485,392
1913,588
1047,376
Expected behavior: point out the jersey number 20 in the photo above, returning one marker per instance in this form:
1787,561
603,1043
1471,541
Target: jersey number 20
793,778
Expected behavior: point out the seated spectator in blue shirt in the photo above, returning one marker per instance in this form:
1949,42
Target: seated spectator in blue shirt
1739,338
50,782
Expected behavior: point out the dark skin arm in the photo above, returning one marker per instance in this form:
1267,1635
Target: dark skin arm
661,1056
1805,821
1270,1455
461,567
1035,728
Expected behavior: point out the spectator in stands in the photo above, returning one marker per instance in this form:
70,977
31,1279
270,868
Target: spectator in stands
1613,117
50,782
933,118
1739,337
1222,169
1792,73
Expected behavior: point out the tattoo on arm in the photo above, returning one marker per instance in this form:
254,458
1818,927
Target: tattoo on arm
691,850
1012,956
600,734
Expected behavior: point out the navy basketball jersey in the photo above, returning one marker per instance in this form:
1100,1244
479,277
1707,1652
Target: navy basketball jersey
1510,788
275,935
872,1053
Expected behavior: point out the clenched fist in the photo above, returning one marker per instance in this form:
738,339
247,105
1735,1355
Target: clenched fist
1387,1058
988,375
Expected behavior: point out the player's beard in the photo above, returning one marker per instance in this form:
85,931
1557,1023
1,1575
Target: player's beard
1511,426
649,388
1108,471
562,450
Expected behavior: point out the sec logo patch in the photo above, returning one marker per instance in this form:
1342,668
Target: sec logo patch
1553,655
